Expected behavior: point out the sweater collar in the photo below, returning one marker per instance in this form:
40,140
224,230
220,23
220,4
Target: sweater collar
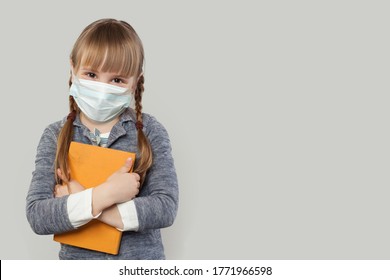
126,116
117,130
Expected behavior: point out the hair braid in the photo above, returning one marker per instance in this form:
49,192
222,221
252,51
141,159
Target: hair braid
138,98
63,143
145,151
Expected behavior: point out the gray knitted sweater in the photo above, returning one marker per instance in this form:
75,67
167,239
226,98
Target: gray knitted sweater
156,203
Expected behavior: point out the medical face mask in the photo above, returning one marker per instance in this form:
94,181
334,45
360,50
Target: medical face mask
100,102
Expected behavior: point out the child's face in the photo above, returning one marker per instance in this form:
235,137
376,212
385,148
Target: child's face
106,77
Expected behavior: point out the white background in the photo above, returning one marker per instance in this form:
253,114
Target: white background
277,113
198,269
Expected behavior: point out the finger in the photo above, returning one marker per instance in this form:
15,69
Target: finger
136,193
127,166
57,191
136,176
59,174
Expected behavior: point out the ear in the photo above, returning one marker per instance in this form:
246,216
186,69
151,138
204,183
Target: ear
71,62
72,66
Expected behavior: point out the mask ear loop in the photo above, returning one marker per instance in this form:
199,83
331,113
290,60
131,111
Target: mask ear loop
132,101
74,77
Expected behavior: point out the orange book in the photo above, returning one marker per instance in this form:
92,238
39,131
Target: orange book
91,166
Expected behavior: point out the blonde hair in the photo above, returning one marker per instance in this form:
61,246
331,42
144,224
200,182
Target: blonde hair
110,46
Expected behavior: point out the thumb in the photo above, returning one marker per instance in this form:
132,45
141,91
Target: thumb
127,166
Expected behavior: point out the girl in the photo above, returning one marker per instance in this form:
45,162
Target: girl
106,73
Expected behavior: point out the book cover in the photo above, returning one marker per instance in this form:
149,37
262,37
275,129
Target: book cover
91,166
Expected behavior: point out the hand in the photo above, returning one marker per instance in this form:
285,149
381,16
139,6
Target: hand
123,186
72,187
60,191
